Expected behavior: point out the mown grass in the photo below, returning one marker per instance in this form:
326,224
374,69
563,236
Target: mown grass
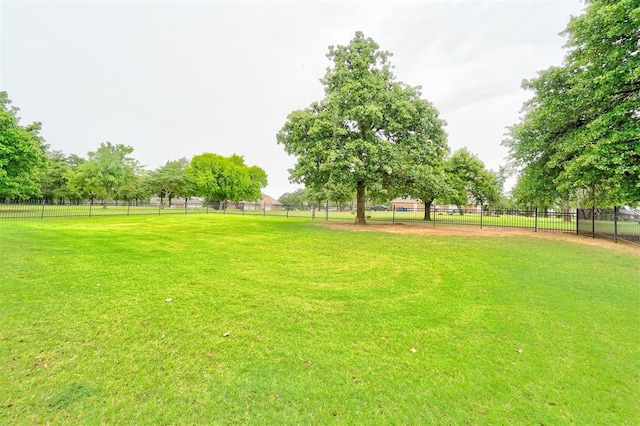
230,319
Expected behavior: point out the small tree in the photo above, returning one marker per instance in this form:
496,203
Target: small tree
427,184
470,181
107,170
295,199
169,180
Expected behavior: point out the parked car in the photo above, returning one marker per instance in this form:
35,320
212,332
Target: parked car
380,208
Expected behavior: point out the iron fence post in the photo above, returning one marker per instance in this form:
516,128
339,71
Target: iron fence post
393,214
481,210
593,222
615,224
42,212
535,226
577,221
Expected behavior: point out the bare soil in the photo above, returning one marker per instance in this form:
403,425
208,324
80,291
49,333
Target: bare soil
471,231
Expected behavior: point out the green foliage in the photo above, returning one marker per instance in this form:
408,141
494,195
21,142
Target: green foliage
426,183
54,178
136,189
83,182
340,193
107,171
469,180
220,179
22,154
297,198
367,132
580,135
170,180
257,180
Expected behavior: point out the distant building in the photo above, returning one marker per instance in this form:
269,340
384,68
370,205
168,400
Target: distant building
266,203
407,204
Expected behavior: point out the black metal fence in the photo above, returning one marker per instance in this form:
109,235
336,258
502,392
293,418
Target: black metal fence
612,223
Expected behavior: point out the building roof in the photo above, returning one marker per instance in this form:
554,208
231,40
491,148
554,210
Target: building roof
267,199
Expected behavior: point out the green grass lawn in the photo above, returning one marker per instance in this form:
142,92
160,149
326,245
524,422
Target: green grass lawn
212,319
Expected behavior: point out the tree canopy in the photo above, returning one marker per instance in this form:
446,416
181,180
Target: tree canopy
368,132
22,154
221,179
54,179
170,180
295,199
579,137
106,172
469,180
28,171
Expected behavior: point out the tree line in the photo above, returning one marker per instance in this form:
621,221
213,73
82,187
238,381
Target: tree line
110,173
29,170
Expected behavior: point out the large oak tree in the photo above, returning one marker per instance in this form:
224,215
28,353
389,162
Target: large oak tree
368,132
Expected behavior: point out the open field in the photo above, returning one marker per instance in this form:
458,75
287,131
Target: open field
230,319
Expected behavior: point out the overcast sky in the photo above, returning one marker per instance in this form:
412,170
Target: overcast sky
176,79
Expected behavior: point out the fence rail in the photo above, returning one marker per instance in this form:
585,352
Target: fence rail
607,223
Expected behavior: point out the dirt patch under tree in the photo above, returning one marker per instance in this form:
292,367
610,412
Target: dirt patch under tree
471,231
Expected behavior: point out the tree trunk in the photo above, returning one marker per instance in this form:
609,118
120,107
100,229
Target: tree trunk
427,210
107,195
361,199
566,216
